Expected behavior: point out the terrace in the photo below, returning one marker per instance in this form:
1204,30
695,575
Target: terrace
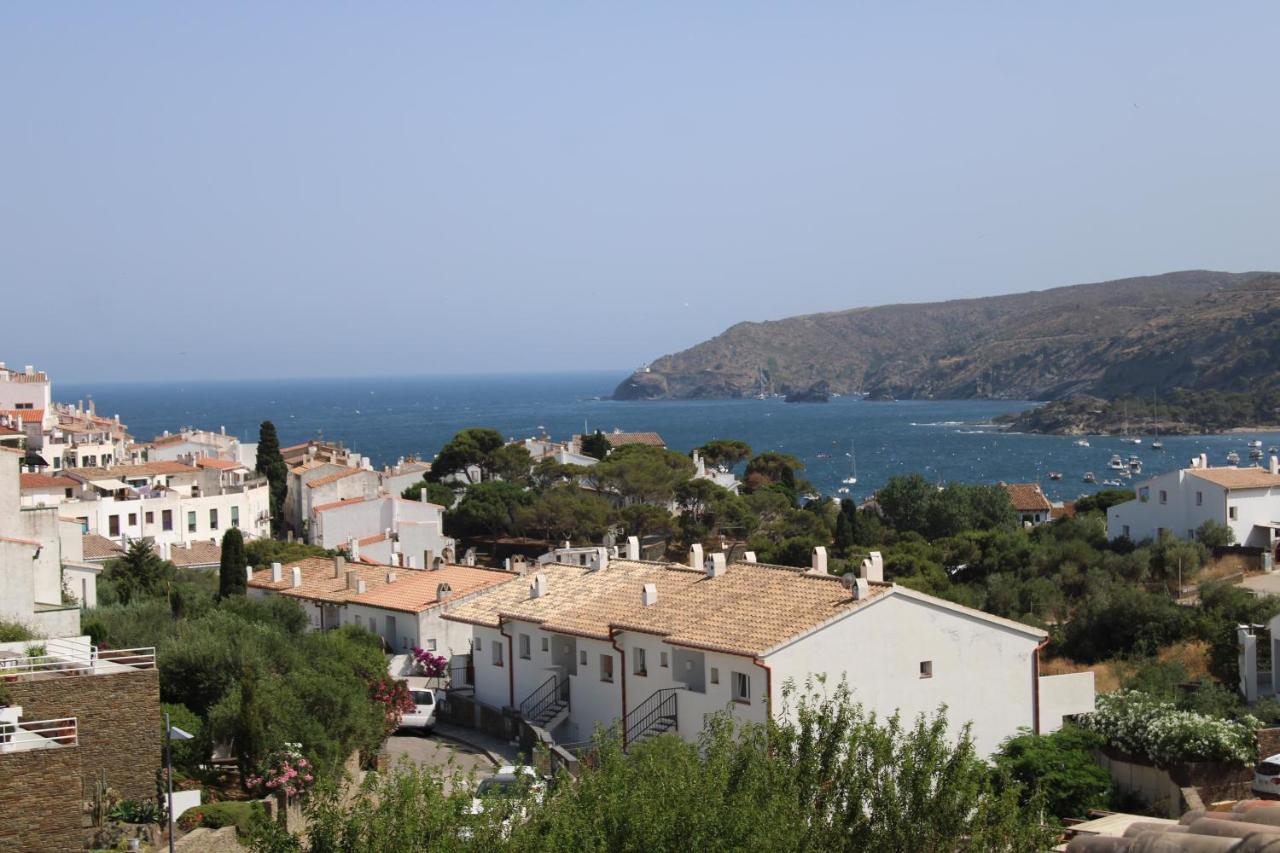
18,735
68,658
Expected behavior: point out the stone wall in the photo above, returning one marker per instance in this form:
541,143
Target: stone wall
119,723
40,802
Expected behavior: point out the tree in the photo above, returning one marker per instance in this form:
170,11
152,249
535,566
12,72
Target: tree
596,445
1103,500
773,468
904,502
139,574
643,474
1060,767
232,579
470,448
1215,534
565,512
727,453
645,520
511,462
487,510
271,465
437,493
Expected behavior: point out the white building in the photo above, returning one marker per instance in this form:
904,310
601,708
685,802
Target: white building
659,646
394,479
1245,499
385,529
27,391
403,607
189,444
1030,503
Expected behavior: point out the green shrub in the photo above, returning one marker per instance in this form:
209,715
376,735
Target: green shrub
242,815
1060,767
136,811
15,632
1141,724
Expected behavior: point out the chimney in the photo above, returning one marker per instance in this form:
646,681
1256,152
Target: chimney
443,592
818,561
248,572
1204,460
695,556
1273,464
649,594
391,577
295,577
223,429
749,557
716,566
411,562
423,497
29,369
352,575
360,587
858,587
353,548
600,560
339,565
872,569
538,588
277,573
633,547
428,559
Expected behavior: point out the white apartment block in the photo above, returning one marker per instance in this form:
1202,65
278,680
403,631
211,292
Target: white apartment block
189,444
1245,499
394,479
26,391
385,529
657,647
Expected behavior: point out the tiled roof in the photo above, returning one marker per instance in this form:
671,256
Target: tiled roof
196,554
1067,510
46,481
413,590
27,416
336,504
617,439
220,464
17,541
143,469
1027,497
168,439
333,478
99,547
1237,478
318,582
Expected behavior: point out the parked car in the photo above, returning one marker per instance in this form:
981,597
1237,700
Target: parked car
1266,778
423,716
510,781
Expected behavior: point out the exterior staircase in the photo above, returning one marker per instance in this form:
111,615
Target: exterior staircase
548,705
654,716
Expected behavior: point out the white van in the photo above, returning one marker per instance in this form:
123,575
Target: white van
423,716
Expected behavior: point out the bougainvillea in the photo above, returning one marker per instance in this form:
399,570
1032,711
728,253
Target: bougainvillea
285,771
429,664
395,697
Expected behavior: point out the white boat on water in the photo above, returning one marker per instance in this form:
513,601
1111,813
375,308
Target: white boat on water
1256,443
1088,477
1081,442
852,479
1233,458
1116,463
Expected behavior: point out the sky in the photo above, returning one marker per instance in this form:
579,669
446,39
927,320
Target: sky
305,189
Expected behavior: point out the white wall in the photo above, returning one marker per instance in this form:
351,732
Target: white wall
253,503
1064,695
591,700
982,672
492,686
1180,515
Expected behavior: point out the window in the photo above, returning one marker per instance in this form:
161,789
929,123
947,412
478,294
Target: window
235,516
606,667
149,517
640,664
166,519
1231,513
68,492
1144,494
57,463
926,669
133,519
431,645
496,648
742,687
213,519
662,660
546,644
113,525
525,652
1126,532
715,675
582,658
391,628
478,645
1199,498
191,521
1164,496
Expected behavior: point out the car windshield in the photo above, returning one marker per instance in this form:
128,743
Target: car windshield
1268,768
499,788
423,697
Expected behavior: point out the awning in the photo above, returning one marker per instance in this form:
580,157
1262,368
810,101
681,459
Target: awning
110,485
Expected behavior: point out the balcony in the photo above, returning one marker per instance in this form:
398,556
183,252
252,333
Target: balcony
72,659
26,735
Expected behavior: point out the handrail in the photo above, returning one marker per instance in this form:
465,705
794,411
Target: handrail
81,660
38,734
543,697
661,703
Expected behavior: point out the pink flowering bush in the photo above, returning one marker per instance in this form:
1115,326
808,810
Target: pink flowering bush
429,664
395,698
284,771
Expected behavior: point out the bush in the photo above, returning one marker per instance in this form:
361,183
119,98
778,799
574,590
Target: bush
15,632
187,754
1061,767
242,815
136,811
1143,725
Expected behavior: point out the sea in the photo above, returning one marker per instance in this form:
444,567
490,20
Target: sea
389,418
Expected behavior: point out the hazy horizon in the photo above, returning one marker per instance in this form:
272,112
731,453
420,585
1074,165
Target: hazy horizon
300,191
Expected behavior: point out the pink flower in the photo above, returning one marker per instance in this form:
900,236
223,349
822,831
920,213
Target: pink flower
308,777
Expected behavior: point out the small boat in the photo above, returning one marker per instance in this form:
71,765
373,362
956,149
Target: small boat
1089,478
1055,475
1133,440
1081,442
1255,443
1115,484
843,490
1157,445
1273,449
1233,458
1116,463
1255,453
853,469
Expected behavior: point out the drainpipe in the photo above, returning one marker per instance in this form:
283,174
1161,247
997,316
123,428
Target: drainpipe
1035,686
511,665
768,688
622,679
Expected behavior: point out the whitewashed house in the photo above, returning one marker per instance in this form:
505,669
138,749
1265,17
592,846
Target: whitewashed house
659,646
1245,499
385,529
189,444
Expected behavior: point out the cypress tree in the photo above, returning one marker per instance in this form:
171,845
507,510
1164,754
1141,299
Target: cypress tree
271,465
231,571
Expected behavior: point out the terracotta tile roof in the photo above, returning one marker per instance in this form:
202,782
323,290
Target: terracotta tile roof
4,430
336,504
1237,478
1027,497
16,450
16,541
27,416
143,469
333,478
219,464
617,439
370,540
563,585
98,548
414,590
196,554
46,481
1067,510
165,440
318,582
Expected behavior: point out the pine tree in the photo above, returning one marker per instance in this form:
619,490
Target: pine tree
271,465
231,572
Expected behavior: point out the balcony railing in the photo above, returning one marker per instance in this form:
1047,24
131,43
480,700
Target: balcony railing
66,659
38,734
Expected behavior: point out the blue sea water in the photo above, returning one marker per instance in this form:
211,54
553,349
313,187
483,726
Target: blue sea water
392,417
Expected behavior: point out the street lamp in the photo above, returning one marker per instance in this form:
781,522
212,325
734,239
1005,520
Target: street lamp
171,733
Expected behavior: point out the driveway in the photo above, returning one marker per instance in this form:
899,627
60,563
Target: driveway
1264,584
456,760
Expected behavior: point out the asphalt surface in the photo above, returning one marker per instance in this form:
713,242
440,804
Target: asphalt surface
1264,584
459,762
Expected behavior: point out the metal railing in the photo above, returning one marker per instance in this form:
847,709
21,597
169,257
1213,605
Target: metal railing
662,703
38,734
71,659
554,689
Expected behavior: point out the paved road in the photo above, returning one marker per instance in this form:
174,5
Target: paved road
457,761
1264,584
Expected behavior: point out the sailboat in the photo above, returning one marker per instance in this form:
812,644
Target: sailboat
853,469
1155,422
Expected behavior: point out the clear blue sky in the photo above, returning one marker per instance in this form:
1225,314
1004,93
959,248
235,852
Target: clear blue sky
292,189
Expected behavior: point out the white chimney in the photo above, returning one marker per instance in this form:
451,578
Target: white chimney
295,577
538,588
1204,460
695,556
600,560
1273,464
716,566
443,592
818,562
353,548
411,562
873,568
351,579
423,496
391,577
633,547
277,573
749,557
360,587
339,565
649,594
248,572
428,559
